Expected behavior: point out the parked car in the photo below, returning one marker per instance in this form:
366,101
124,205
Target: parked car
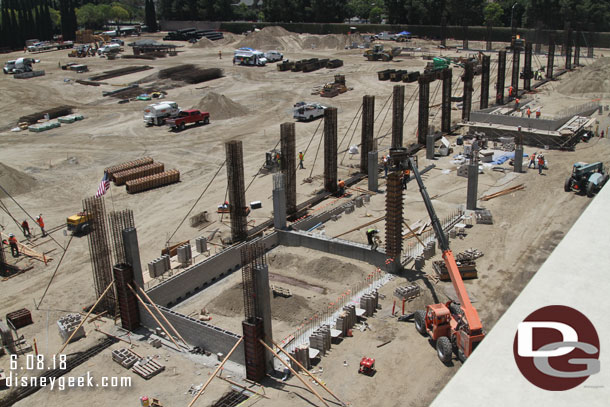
273,56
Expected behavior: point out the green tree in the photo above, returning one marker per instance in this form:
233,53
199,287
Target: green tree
375,15
151,16
492,13
358,8
118,14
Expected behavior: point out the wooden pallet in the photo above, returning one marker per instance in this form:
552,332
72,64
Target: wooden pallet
280,291
148,369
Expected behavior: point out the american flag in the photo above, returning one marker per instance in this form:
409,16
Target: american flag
104,186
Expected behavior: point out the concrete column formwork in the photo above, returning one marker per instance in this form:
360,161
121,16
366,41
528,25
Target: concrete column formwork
485,65
447,77
398,110
373,168
424,108
279,201
501,77
237,192
473,181
288,165
368,122
132,254
467,99
527,67
515,71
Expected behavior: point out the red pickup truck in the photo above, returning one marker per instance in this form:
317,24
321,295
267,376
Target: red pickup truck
186,117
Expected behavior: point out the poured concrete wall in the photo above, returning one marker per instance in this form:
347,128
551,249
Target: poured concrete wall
198,333
195,278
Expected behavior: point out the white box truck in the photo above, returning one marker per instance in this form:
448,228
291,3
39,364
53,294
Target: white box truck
157,113
249,56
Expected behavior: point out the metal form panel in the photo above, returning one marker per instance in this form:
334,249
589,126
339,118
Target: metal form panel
99,250
254,350
330,149
393,225
128,302
288,165
368,121
398,113
237,193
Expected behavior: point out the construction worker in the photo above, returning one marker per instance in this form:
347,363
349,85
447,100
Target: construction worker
405,179
532,161
219,54
301,157
511,90
540,163
384,162
12,241
341,187
517,104
41,224
529,112
278,159
538,113
371,234
26,229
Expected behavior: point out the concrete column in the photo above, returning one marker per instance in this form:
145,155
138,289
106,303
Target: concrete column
132,254
518,161
473,181
373,171
263,311
330,149
368,121
279,201
430,146
398,107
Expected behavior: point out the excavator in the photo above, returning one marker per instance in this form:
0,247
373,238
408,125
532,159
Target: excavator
451,325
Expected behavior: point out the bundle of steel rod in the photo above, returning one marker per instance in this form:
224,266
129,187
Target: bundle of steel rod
503,192
122,177
126,166
152,181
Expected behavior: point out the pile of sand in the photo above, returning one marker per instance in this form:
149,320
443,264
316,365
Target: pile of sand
279,38
592,80
204,43
221,107
15,182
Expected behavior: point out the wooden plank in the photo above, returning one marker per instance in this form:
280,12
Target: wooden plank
173,250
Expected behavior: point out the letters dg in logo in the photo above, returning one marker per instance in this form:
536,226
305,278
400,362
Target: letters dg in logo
556,348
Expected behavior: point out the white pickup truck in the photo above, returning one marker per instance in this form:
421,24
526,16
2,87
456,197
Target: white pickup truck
273,56
304,111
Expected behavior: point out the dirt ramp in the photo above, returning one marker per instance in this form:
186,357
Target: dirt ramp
221,107
592,79
14,181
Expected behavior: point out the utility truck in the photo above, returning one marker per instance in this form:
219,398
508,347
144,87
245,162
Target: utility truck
249,56
304,111
157,113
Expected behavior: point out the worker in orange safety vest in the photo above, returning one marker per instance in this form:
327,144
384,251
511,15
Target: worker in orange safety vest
12,241
41,224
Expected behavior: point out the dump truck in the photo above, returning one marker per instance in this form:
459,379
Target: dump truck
379,53
185,117
157,113
586,178
304,111
79,224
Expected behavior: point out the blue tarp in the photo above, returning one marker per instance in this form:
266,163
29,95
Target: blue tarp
404,33
505,157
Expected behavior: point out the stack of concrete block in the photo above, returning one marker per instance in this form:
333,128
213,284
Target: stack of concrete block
301,354
369,302
147,368
359,201
201,244
484,217
453,233
419,263
366,198
185,255
462,171
124,357
429,250
160,265
347,319
321,339
68,324
349,208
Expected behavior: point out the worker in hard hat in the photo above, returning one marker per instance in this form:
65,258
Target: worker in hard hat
26,229
341,187
405,178
40,222
371,236
12,241
301,158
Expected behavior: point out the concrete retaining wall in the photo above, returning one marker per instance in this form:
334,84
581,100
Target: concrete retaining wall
338,247
194,279
197,333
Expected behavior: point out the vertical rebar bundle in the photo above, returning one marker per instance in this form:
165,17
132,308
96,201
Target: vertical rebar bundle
330,149
398,110
99,250
515,72
368,121
488,45
568,46
500,80
577,48
465,33
551,58
424,108
527,67
467,101
288,165
393,224
119,221
447,77
252,258
237,193
485,65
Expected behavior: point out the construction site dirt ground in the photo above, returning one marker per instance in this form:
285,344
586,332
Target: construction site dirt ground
52,172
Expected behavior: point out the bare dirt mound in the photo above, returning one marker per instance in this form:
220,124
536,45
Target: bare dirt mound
231,303
330,269
14,181
331,41
279,38
204,43
592,79
221,107
229,38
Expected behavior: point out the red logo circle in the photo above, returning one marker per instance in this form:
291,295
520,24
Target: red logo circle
556,348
